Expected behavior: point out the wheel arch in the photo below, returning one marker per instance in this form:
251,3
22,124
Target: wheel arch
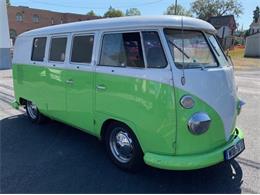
104,126
130,125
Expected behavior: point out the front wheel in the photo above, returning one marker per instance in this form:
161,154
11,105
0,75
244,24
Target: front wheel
123,148
33,113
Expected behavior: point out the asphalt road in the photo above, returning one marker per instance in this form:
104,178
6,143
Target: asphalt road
56,158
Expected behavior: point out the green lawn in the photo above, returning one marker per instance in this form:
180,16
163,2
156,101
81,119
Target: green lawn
240,62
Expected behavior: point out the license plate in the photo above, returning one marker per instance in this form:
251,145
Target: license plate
234,150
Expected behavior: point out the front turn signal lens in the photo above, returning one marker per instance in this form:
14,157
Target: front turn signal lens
187,101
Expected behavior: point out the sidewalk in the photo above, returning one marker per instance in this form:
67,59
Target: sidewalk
7,95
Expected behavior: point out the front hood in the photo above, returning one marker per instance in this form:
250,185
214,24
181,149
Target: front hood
217,88
214,91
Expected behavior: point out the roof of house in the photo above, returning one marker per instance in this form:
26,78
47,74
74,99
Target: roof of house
125,22
219,21
26,8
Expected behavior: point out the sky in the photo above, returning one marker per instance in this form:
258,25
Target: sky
147,7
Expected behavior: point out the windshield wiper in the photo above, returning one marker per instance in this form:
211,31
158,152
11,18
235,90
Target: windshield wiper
176,46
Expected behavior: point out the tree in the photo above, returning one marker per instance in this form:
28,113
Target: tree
8,2
91,13
204,9
247,33
133,12
256,14
112,12
179,11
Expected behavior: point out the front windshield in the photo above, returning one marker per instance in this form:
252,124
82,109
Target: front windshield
190,49
217,50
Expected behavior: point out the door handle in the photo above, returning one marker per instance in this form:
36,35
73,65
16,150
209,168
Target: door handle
69,81
101,87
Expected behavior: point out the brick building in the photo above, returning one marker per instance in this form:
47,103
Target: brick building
23,18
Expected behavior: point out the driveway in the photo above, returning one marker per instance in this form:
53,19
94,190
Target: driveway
56,158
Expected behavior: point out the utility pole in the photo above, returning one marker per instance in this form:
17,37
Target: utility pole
175,8
5,58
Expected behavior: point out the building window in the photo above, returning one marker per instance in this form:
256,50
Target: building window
38,50
35,19
82,49
13,34
19,17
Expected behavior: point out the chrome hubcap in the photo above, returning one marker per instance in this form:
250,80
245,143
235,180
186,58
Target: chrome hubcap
32,110
121,145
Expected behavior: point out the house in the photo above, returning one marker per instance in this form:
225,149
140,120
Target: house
226,26
253,40
254,27
23,18
253,46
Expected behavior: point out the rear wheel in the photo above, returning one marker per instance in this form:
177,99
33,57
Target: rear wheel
123,148
33,113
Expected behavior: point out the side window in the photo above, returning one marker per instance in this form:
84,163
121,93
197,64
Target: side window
122,49
82,49
154,53
58,49
38,49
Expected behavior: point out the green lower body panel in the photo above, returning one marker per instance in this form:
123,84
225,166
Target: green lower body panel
189,162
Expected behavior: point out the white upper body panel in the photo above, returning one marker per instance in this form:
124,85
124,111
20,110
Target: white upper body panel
125,22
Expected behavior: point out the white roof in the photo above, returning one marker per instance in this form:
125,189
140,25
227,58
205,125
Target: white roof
125,22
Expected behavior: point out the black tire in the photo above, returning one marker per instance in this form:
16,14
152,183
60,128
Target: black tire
132,162
34,115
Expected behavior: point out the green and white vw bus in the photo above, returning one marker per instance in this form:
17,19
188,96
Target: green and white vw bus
157,90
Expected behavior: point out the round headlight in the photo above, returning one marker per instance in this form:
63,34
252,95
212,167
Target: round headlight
187,101
199,123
